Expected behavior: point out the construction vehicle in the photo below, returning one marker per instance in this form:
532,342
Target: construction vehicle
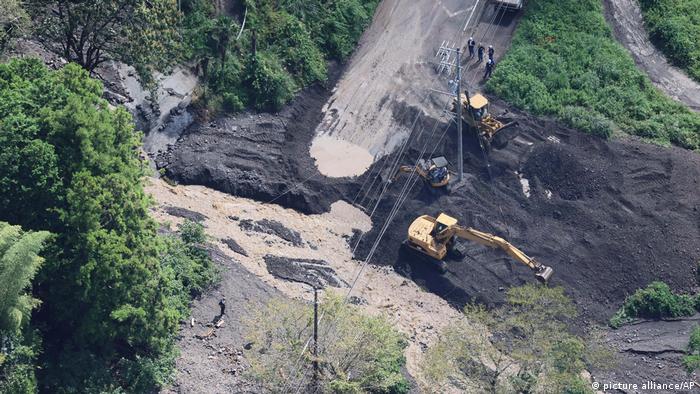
434,171
435,239
476,115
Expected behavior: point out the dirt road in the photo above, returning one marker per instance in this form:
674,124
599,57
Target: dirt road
625,18
389,67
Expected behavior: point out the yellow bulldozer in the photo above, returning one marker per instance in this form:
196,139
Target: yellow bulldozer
434,171
435,238
475,113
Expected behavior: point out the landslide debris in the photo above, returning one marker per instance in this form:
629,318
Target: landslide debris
313,272
608,216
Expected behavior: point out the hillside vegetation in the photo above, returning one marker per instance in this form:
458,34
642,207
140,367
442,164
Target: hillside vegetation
564,61
283,47
111,290
674,25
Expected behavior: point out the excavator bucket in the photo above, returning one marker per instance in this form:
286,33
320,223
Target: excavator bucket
544,273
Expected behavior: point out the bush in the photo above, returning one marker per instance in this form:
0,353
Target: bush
564,61
278,334
691,361
654,302
587,121
674,25
294,40
270,86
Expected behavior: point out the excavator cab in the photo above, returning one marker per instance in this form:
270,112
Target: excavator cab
434,171
477,115
478,107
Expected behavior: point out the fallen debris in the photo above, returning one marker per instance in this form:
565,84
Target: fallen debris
272,227
234,246
185,214
316,273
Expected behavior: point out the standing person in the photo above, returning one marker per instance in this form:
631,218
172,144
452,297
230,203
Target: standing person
471,44
489,68
222,307
491,52
480,52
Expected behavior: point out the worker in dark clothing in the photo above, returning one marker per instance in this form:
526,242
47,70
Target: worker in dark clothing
480,52
222,306
491,52
471,44
489,68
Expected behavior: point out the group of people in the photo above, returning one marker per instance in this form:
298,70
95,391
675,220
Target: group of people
490,63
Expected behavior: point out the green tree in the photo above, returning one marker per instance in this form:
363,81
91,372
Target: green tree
524,346
137,32
111,298
14,22
357,353
19,262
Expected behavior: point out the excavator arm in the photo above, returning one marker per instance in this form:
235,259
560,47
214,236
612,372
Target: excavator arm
542,272
410,169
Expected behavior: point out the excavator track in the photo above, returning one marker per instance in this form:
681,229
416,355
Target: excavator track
415,253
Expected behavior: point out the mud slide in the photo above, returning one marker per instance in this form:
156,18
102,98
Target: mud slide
625,18
388,67
207,365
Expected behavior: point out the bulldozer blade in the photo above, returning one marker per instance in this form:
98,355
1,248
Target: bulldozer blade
544,273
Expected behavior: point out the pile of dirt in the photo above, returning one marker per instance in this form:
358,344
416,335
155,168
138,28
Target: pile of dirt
234,246
272,227
315,273
186,214
562,171
608,216
259,156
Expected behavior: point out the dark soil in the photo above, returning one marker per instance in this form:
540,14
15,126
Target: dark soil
272,227
622,213
260,156
608,216
315,273
216,363
649,351
233,245
186,214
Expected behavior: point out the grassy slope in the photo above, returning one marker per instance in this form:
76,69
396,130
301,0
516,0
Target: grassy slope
674,25
564,61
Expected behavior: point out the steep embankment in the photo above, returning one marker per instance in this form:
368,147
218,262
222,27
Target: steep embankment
627,22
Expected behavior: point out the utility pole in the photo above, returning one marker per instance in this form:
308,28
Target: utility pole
315,362
450,65
459,114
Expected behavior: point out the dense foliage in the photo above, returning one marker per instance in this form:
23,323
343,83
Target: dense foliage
138,32
19,262
112,291
654,302
283,47
356,353
524,347
564,61
691,361
674,25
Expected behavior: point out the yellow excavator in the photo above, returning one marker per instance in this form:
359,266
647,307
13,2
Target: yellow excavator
435,238
475,113
433,171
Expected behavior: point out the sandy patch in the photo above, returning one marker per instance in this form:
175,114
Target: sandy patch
339,158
